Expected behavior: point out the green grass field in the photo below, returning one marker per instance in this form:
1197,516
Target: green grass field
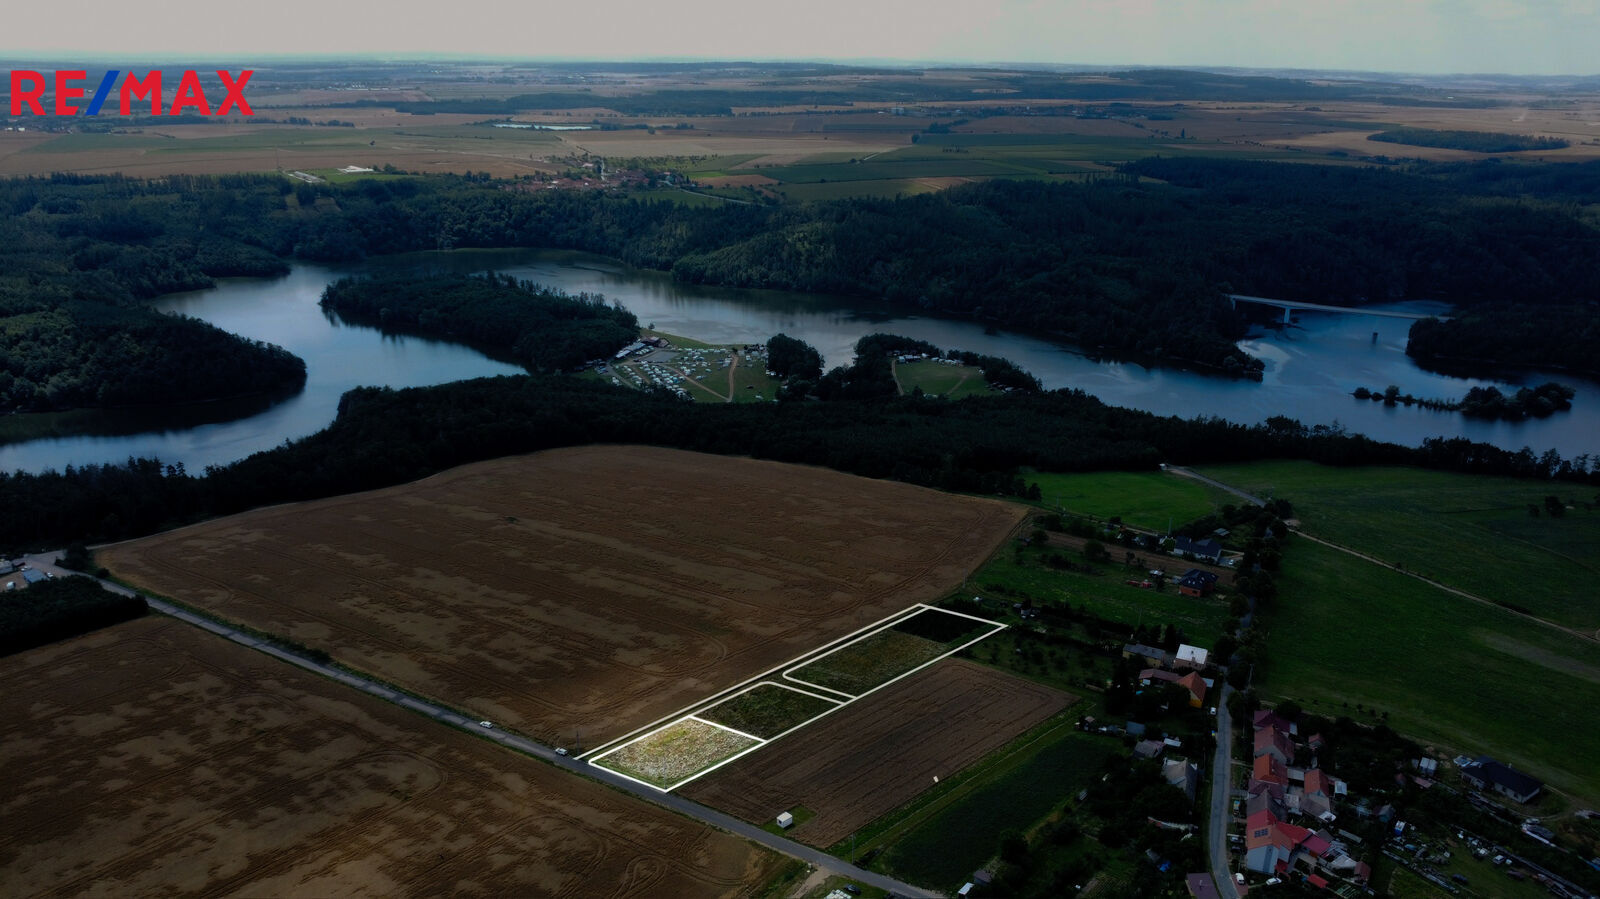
1010,576
1473,533
944,848
766,711
1463,676
936,378
1144,499
751,383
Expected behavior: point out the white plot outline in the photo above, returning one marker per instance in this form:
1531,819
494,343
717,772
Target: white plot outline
740,687
691,712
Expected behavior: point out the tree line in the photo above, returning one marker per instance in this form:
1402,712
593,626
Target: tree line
1475,141
1485,402
978,444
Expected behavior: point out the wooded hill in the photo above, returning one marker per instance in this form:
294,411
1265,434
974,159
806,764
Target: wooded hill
1123,266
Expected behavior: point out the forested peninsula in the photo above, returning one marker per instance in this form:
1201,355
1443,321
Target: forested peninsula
537,327
78,260
1133,264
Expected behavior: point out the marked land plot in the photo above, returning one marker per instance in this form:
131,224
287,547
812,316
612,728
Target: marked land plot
153,759
898,648
768,709
880,752
583,591
675,752
699,739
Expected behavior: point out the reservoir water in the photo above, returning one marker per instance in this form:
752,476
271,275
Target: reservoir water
1311,368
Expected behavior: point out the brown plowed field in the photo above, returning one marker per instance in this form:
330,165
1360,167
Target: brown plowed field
877,754
596,588
153,759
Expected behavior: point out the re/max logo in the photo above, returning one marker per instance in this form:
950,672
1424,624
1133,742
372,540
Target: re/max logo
27,90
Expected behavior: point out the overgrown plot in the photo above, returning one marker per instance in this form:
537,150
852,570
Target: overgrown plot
767,710
675,752
879,658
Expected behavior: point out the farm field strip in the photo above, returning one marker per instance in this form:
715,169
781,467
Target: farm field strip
789,676
664,731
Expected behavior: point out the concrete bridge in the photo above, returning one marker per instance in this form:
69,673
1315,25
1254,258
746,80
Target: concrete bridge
1288,306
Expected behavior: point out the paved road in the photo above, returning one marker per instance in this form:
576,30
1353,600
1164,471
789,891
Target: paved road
1323,307
1191,473
46,562
1221,800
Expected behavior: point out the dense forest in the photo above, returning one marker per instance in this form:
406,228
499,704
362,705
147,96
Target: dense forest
1475,141
979,444
1121,266
539,328
76,262
1544,336
54,610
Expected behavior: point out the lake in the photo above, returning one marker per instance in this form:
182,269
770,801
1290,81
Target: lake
1311,368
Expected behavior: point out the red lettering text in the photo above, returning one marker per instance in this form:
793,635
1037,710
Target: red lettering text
235,92
64,93
148,89
30,96
190,94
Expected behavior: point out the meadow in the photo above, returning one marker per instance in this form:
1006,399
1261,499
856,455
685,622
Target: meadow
1472,533
1024,574
1349,637
937,379
1151,500
945,847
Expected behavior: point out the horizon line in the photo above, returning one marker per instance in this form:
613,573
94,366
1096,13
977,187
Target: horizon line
842,62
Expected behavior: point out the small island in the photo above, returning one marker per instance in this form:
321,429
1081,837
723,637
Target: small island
1485,402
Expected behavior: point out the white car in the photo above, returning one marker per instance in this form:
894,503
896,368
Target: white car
561,750
486,725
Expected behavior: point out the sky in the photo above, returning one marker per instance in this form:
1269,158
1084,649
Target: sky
1533,37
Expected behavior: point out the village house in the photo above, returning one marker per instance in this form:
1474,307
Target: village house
1184,775
1151,656
1274,742
1487,774
1196,582
1203,550
1190,657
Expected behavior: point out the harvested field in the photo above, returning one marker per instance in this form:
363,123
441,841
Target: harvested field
675,752
737,181
154,759
597,588
767,710
879,753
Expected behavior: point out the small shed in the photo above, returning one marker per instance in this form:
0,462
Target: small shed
785,820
